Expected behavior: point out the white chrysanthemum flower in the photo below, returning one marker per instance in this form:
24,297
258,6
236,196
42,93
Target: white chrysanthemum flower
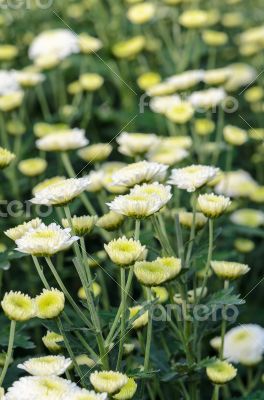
167,153
45,240
180,113
186,80
160,104
108,381
46,183
229,270
192,177
96,181
234,135
8,82
21,230
209,98
46,366
212,206
58,42
29,78
236,184
41,388
133,144
244,344
139,204
153,189
52,341
62,192
248,217
83,394
140,172
63,140
241,75
81,225
125,251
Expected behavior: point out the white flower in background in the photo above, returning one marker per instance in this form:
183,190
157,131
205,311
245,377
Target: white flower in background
96,179
209,98
62,192
29,78
180,113
167,154
192,177
234,135
186,80
139,204
8,82
47,365
59,42
108,381
63,140
216,76
18,231
89,44
161,89
241,75
244,344
83,394
161,104
248,217
45,240
236,184
153,189
40,388
133,144
140,172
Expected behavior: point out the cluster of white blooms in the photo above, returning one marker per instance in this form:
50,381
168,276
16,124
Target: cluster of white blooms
192,177
58,42
45,240
8,82
63,140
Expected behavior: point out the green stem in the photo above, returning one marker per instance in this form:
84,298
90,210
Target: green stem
216,392
209,257
67,294
223,326
192,234
149,335
70,171
9,351
123,318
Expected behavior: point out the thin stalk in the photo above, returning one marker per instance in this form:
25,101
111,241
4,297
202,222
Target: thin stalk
216,392
209,258
70,171
192,234
67,294
149,335
123,318
223,326
9,351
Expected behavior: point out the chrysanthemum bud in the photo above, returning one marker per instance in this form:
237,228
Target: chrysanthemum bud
221,372
142,319
95,153
186,219
234,135
83,359
18,306
108,381
5,157
50,303
157,272
244,245
160,293
51,340
81,225
32,167
96,289
110,221
229,270
91,82
127,391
